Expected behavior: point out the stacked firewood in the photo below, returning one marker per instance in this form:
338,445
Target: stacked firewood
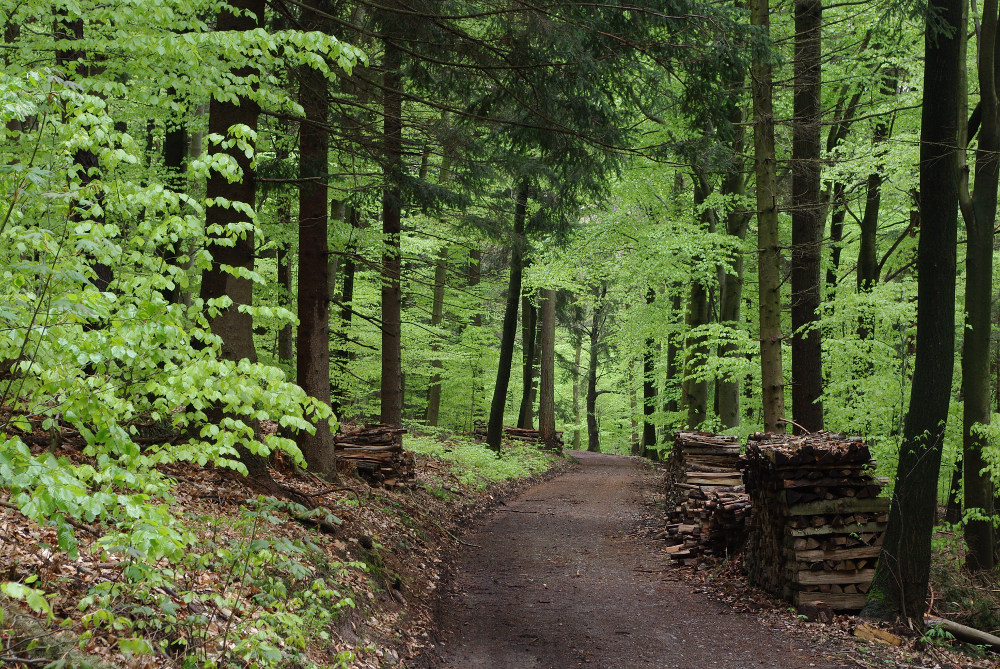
707,508
817,522
377,453
524,434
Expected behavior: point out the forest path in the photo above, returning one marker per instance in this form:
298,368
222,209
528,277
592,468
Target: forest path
562,577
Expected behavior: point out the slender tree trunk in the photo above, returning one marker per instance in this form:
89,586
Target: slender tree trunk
836,237
900,583
980,219
635,444
547,371
672,384
341,355
286,351
392,355
577,357
72,61
648,445
731,289
475,257
593,431
529,325
695,391
312,361
175,148
494,430
437,315
807,224
768,242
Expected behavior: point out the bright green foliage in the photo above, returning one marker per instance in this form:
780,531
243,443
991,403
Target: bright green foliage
478,465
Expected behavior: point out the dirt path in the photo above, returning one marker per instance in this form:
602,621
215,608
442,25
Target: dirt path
559,578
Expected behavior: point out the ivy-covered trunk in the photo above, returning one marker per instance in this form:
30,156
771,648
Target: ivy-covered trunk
899,586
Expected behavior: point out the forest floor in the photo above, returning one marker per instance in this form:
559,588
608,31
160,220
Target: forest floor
568,574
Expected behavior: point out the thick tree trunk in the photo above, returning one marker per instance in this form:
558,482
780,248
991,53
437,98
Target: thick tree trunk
900,583
547,371
529,325
313,351
437,315
980,219
768,242
807,224
494,430
392,355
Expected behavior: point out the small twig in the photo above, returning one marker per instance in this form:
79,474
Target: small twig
792,422
7,659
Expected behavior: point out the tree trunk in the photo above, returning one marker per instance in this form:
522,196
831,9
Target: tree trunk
437,315
980,219
731,290
672,384
900,583
233,327
174,150
807,224
529,325
494,430
635,443
768,242
695,391
313,336
593,432
836,237
341,356
577,357
547,371
475,257
392,357
286,350
648,444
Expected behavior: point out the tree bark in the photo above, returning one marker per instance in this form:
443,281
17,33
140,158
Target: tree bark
494,430
768,242
648,444
437,315
547,371
312,364
341,356
593,431
695,391
980,218
731,290
286,350
392,357
807,224
836,237
900,582
529,325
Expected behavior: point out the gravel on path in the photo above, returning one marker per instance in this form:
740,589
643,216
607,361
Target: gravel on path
562,577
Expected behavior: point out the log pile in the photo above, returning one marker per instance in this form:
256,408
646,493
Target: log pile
817,522
377,453
523,434
707,507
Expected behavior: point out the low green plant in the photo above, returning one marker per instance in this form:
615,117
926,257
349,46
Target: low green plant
477,465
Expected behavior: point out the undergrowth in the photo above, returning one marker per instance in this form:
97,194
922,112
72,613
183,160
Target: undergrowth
476,465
